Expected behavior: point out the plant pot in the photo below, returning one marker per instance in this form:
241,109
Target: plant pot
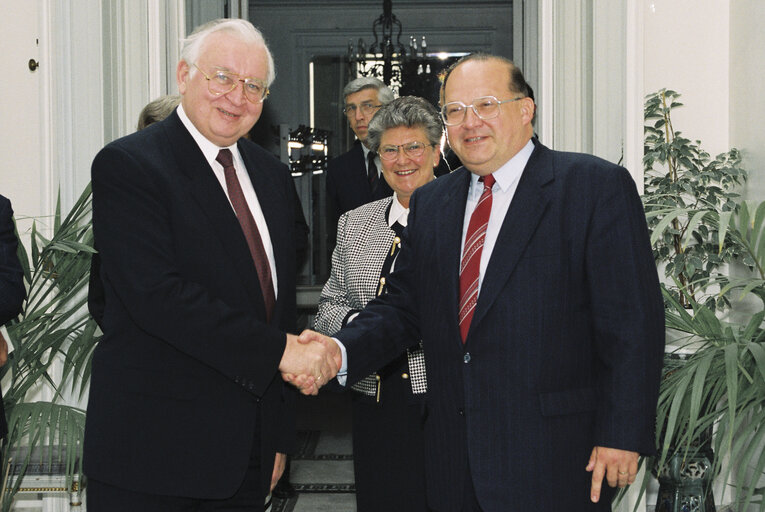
686,485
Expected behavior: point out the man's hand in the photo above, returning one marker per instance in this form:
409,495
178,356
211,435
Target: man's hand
618,466
280,461
310,363
3,350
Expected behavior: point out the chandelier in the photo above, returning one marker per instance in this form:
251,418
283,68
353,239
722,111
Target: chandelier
385,58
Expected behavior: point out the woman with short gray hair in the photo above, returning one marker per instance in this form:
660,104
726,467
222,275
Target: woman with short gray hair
387,405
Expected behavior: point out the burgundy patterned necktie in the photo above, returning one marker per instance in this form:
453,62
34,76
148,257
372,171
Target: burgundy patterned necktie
471,256
250,229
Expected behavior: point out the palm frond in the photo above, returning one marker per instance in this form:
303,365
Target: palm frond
54,341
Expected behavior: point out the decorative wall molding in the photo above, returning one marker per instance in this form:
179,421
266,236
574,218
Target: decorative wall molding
634,89
544,91
77,107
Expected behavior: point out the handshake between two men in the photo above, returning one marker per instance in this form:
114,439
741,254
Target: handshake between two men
310,361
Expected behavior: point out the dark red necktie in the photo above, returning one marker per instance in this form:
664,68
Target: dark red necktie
471,256
250,229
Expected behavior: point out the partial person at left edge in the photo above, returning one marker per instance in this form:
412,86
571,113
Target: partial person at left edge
195,229
12,290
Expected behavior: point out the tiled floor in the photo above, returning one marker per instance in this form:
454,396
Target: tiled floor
322,468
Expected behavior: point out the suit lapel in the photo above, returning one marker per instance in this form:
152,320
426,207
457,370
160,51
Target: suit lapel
449,241
213,203
523,216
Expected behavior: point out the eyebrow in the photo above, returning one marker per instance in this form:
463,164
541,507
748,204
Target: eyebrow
227,70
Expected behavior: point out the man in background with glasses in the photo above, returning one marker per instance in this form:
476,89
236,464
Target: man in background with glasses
353,178
529,276
195,226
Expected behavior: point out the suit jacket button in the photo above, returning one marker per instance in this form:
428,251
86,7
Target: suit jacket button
461,411
466,358
404,375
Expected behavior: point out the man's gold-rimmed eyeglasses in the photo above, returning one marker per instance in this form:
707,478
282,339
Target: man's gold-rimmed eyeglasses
411,149
485,107
222,82
366,108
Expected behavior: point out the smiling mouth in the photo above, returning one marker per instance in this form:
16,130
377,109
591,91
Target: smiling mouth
226,113
406,172
474,139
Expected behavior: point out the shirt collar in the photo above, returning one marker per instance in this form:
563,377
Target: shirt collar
366,151
510,172
209,149
397,212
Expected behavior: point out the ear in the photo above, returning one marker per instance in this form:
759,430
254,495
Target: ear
182,75
436,156
527,109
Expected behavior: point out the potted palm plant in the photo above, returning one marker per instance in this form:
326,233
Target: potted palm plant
716,396
711,405
53,345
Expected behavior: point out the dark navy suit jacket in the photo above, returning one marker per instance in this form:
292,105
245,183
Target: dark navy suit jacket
348,185
565,348
186,375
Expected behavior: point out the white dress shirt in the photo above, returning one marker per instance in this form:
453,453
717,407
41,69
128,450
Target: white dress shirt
398,213
210,152
507,178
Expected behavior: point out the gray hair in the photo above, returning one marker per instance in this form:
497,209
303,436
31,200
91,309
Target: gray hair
384,94
243,29
157,110
408,111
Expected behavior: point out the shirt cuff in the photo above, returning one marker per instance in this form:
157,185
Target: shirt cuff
342,375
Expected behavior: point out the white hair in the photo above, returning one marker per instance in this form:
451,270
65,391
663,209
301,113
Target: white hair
243,29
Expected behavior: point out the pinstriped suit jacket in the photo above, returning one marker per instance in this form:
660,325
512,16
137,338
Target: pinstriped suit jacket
564,351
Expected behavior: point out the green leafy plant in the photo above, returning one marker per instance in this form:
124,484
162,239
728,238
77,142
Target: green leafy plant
53,341
715,397
682,182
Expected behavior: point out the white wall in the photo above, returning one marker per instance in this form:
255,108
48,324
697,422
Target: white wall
747,95
687,49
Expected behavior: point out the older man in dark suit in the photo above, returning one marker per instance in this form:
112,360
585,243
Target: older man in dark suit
195,228
528,275
12,290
